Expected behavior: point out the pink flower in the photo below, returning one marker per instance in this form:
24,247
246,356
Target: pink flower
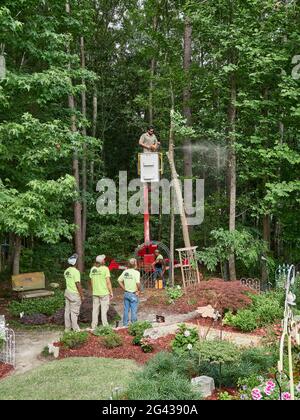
286,396
256,394
269,391
271,385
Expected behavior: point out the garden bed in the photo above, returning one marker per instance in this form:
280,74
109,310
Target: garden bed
221,295
95,348
5,370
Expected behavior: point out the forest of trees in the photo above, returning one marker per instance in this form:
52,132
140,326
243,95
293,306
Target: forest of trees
82,79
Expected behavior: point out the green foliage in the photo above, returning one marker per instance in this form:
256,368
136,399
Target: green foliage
112,341
168,387
245,320
74,340
224,396
217,352
183,364
242,243
266,308
185,339
103,331
2,341
174,293
138,328
147,345
45,353
46,306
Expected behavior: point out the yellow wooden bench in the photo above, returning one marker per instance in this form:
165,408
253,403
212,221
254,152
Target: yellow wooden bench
30,285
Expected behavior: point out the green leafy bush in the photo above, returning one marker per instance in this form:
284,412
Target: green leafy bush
112,341
74,340
45,306
245,320
174,293
138,328
147,345
185,339
266,309
103,331
168,387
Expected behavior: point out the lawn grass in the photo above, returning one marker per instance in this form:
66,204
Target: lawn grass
70,379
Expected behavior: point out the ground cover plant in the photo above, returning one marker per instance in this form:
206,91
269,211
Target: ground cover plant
74,340
33,307
112,340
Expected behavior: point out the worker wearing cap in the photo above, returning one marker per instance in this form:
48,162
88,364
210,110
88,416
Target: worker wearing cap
149,142
73,295
130,281
101,287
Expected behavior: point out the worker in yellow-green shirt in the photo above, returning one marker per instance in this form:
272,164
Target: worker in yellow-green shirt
73,295
130,281
101,288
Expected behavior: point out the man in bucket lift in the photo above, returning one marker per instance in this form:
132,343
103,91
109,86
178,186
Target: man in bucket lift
159,267
149,142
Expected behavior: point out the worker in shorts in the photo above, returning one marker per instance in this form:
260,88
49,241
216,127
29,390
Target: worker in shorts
130,281
73,295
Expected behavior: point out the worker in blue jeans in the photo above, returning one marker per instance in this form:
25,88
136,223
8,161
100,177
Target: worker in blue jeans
130,281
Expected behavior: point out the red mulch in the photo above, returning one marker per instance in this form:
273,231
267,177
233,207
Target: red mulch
216,292
5,370
216,394
261,332
95,348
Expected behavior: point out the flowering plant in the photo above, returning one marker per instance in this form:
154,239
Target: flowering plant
185,340
147,345
266,389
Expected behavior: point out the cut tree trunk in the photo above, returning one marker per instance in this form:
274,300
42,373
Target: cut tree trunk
187,111
177,187
232,170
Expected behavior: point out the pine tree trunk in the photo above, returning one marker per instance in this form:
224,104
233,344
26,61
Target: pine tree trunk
94,133
232,170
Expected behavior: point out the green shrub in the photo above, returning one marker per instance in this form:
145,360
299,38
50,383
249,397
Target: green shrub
46,306
245,320
137,340
138,328
266,309
174,293
185,340
45,352
168,387
163,363
251,362
146,345
112,341
74,340
103,331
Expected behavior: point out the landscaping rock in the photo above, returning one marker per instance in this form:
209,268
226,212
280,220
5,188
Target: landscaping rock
204,385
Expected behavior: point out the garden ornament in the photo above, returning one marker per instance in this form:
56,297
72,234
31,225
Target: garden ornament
290,331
